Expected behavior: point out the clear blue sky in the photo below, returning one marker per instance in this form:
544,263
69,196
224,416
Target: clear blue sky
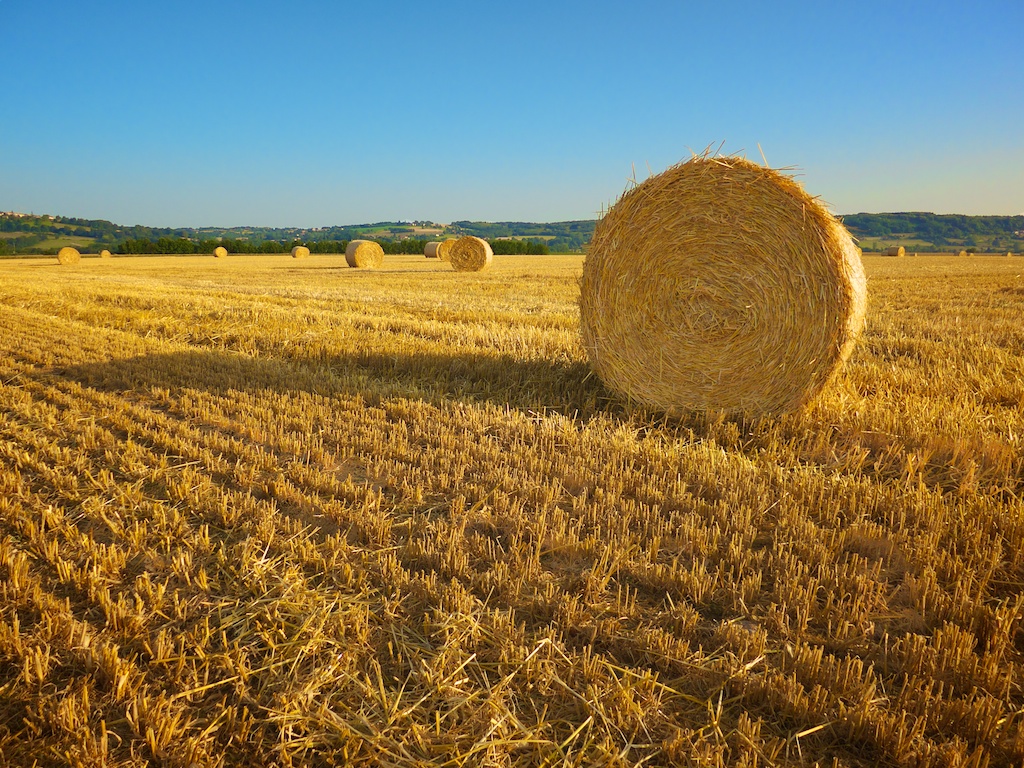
304,113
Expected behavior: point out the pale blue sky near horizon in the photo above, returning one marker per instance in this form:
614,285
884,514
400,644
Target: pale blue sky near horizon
308,113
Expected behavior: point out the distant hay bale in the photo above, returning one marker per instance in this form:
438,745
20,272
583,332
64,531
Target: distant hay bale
895,250
962,253
444,249
68,255
220,252
300,252
720,285
470,254
364,254
105,254
430,250
1009,254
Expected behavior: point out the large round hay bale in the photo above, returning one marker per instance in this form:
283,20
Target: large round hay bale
300,252
430,249
962,253
895,250
470,254
68,255
444,249
720,284
220,252
364,254
105,254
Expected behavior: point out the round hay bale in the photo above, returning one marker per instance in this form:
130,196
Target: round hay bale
68,255
105,254
721,285
430,249
470,254
220,252
364,254
444,249
896,250
300,252
962,253
1009,254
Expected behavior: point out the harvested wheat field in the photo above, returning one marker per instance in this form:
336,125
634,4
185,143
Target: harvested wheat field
266,511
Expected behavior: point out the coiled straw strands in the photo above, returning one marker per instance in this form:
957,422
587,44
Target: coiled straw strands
105,254
720,284
68,255
220,252
300,252
470,254
444,250
895,250
364,254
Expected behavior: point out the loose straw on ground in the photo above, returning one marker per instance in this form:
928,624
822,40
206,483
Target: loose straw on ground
300,252
470,254
720,284
220,252
364,254
68,255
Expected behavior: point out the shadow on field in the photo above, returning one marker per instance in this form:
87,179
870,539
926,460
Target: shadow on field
530,385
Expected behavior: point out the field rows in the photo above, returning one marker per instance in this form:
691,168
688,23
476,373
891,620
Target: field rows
256,513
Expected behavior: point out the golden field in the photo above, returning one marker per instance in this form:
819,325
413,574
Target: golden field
260,511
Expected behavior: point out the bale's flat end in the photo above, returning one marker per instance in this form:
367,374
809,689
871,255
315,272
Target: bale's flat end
720,284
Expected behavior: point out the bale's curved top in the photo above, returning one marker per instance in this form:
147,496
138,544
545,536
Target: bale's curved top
432,250
300,252
470,254
220,252
364,254
68,255
720,284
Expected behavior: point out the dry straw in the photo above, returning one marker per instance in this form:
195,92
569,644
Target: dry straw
962,253
105,254
470,254
444,250
720,284
432,250
895,250
220,252
364,254
68,255
300,252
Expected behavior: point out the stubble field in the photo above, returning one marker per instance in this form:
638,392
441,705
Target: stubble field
260,511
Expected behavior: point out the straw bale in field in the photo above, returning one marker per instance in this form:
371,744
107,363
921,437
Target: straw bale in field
444,249
895,250
963,253
431,250
220,252
470,254
720,284
364,254
300,252
105,254
68,255
1009,254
